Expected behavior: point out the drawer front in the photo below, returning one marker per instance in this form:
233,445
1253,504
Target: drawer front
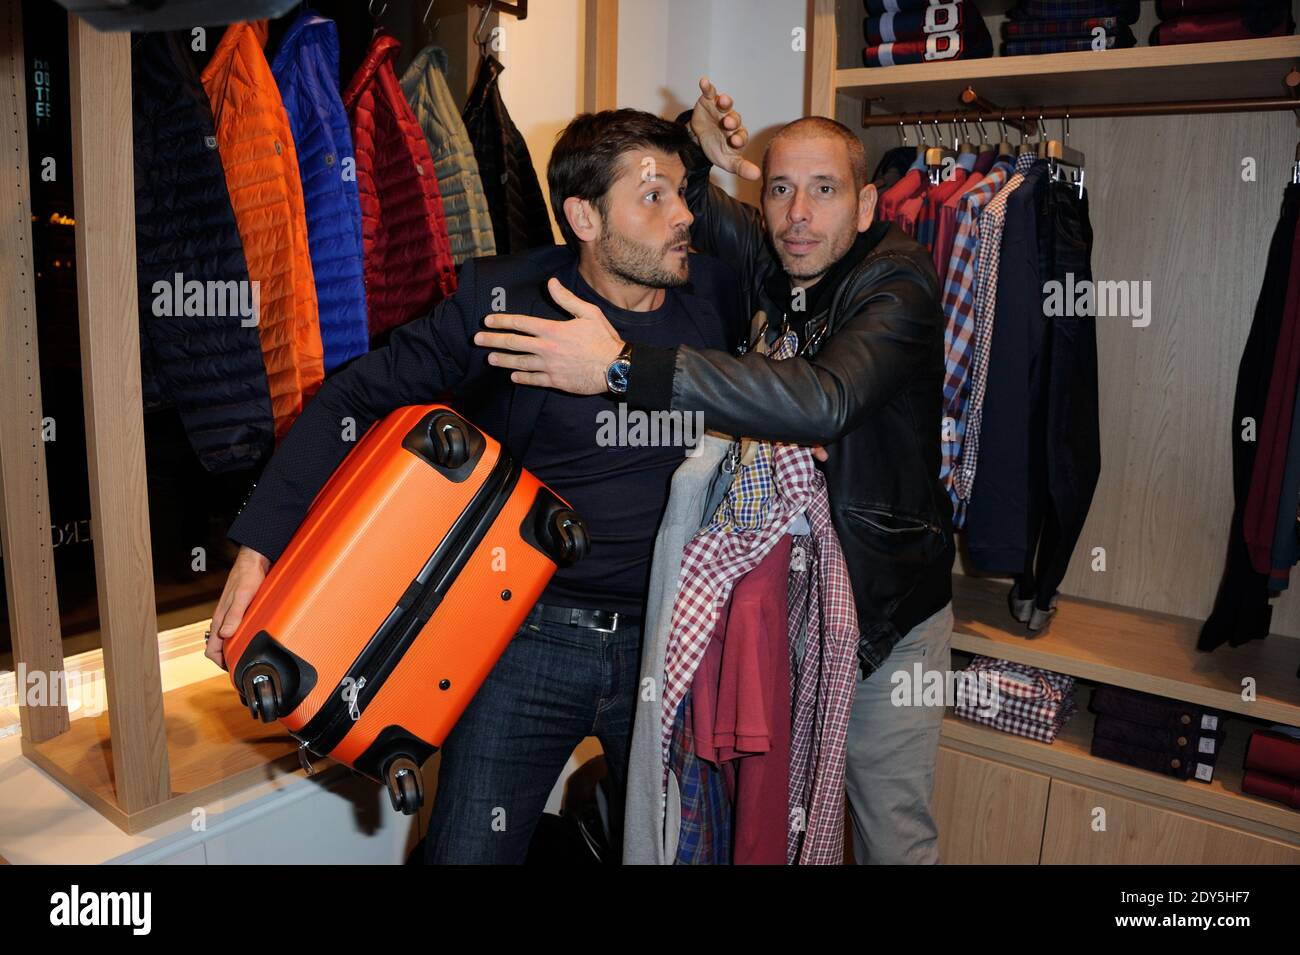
1136,833
987,812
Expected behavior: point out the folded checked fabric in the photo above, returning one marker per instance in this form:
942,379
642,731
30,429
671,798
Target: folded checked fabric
1065,45
1073,26
1016,691
1045,731
1125,10
1022,680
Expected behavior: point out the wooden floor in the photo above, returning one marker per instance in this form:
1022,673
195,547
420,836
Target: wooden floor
215,748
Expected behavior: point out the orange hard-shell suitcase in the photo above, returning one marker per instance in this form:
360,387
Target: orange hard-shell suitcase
413,568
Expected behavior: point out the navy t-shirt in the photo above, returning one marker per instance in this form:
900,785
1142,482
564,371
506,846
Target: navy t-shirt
604,461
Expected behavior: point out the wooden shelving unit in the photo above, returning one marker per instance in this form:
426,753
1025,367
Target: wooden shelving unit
1138,649
1249,68
1069,756
1192,71
1145,651
1003,798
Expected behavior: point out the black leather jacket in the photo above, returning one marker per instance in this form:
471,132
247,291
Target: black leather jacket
869,390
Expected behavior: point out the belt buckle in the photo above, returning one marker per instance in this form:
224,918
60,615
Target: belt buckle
609,629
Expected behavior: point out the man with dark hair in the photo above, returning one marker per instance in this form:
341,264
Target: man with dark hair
863,300
617,182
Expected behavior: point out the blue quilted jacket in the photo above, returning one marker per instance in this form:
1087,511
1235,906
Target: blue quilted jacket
196,353
306,69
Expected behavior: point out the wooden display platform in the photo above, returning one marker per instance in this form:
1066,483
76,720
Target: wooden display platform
1139,649
214,749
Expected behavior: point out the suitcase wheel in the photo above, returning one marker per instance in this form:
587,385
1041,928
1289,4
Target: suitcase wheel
404,786
450,441
260,690
571,533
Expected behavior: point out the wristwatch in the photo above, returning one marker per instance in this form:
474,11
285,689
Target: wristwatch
618,370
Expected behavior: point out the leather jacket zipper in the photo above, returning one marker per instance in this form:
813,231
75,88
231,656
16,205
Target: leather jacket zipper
916,524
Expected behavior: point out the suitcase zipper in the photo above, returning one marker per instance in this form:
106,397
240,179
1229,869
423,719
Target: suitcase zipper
417,604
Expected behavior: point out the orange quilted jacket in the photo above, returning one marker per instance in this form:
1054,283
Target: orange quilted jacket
261,166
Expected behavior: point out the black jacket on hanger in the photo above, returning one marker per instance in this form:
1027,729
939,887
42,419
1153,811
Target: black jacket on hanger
209,366
519,217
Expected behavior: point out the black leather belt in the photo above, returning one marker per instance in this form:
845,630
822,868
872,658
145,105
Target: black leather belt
605,620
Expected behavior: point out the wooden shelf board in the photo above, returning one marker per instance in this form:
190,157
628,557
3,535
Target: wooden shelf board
1139,649
1233,68
214,748
1071,753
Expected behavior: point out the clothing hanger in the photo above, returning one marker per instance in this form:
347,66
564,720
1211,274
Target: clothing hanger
1025,147
370,8
1059,153
985,145
430,30
478,38
968,144
1295,168
937,155
921,143
1004,147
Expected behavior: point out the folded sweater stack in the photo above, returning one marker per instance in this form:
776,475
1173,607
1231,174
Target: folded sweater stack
1016,698
1273,765
921,31
1150,732
1207,21
1064,26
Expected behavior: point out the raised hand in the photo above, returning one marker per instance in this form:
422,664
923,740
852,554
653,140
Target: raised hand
721,134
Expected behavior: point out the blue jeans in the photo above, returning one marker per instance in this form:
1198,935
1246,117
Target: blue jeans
554,686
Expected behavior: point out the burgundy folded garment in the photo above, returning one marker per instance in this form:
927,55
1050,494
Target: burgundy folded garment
1213,27
918,24
1271,787
1168,9
1274,753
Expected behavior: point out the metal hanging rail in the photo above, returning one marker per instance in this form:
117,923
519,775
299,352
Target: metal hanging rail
1020,117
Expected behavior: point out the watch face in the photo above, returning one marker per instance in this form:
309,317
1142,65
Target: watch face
616,375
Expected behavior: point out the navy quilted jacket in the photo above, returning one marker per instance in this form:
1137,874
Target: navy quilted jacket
306,69
519,217
199,356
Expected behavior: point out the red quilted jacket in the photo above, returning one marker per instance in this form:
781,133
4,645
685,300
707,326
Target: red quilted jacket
408,261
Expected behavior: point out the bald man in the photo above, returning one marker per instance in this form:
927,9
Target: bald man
863,299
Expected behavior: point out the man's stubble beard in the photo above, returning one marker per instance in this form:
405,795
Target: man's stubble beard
838,251
637,264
